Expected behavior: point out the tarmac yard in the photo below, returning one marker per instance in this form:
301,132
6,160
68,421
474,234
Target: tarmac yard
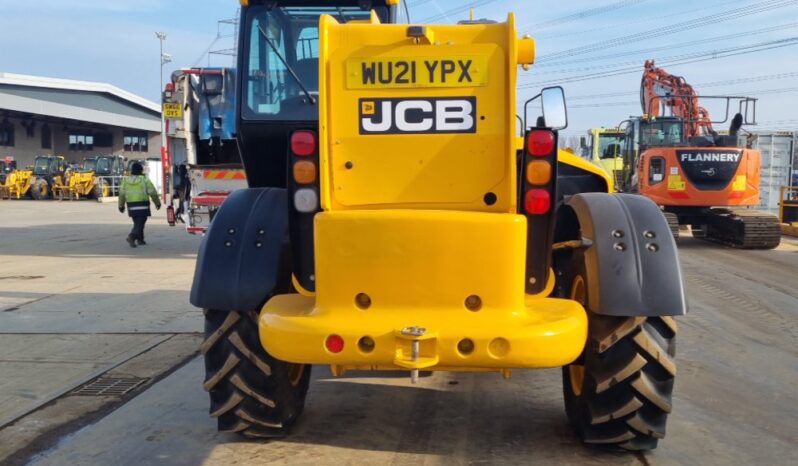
98,365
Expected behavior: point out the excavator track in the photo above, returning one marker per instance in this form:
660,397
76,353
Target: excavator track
743,229
673,223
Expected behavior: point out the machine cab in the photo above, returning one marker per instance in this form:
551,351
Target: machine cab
47,165
640,134
604,147
279,76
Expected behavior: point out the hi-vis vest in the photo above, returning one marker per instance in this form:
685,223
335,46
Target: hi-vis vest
137,188
135,192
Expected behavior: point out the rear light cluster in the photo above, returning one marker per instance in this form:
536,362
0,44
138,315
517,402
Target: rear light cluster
541,152
305,171
304,188
538,191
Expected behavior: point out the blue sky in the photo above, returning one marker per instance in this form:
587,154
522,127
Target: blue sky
114,41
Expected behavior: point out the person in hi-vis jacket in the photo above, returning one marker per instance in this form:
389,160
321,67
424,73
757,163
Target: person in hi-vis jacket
136,192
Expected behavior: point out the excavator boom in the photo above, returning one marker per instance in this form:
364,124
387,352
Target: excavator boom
661,91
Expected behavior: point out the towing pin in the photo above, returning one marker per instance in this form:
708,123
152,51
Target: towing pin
415,350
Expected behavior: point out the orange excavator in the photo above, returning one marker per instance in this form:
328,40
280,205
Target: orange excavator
673,155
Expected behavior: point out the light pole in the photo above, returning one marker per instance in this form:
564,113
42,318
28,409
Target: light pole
165,58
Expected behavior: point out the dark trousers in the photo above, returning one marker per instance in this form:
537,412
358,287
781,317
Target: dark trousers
138,228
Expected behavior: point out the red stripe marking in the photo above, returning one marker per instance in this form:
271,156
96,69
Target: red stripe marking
209,199
224,175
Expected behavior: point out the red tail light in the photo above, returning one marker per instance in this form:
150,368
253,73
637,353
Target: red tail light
334,343
540,143
537,201
303,143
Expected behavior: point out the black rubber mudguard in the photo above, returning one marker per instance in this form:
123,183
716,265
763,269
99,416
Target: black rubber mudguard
239,259
632,261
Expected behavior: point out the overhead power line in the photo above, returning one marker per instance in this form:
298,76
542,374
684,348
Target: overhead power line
752,93
764,77
662,19
609,104
671,58
700,86
668,46
583,13
417,3
712,19
456,11
637,69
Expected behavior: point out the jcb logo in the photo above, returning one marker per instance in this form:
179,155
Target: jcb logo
413,116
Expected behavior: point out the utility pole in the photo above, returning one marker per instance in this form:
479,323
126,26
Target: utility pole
165,58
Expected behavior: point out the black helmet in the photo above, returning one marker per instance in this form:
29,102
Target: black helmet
136,169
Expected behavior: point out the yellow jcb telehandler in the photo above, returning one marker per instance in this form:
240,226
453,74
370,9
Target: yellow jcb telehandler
76,184
393,221
15,184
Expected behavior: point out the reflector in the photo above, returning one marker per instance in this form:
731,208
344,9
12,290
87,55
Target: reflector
334,344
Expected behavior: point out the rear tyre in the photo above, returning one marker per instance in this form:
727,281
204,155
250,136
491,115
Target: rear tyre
252,393
618,393
40,190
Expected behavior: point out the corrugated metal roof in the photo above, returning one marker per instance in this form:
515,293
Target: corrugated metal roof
74,85
78,100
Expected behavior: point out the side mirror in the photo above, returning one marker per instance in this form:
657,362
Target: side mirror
555,113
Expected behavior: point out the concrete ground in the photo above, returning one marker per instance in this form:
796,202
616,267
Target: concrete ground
76,301
735,400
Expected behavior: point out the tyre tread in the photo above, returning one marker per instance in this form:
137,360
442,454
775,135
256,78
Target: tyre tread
249,389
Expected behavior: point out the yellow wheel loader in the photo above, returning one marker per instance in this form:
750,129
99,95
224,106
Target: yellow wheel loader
394,222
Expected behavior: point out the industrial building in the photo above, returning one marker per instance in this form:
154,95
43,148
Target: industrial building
74,119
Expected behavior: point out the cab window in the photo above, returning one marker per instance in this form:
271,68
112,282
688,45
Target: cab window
283,37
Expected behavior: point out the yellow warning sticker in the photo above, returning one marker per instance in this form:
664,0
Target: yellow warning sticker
676,183
739,183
